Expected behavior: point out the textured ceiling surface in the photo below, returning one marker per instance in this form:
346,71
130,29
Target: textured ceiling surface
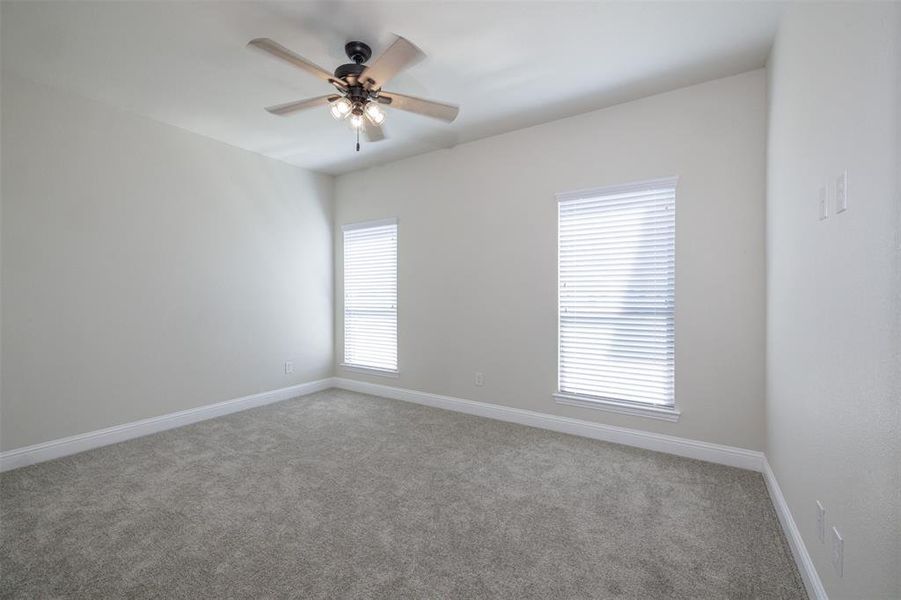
507,64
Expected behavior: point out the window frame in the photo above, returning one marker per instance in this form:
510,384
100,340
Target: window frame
354,367
628,407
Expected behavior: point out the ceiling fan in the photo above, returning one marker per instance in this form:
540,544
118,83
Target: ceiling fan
359,96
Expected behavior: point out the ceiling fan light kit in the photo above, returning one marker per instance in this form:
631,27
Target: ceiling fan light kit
360,97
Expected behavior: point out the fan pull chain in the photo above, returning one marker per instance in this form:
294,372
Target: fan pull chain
358,140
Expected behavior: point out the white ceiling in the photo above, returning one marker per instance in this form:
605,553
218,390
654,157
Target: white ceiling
507,64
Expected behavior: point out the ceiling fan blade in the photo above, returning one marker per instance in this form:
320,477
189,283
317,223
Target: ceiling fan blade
279,51
292,107
397,57
429,108
373,132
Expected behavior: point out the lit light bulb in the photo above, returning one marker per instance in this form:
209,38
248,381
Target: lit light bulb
356,121
340,108
375,113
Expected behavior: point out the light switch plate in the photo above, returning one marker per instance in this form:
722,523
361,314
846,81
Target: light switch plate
821,521
841,193
838,551
823,204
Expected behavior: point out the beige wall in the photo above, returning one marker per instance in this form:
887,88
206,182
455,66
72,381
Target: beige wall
833,336
147,270
477,253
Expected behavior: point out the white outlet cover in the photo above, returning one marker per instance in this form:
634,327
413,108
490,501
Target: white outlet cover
289,367
821,521
480,378
838,551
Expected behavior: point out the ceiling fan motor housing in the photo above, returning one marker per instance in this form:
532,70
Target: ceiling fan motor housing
352,69
359,53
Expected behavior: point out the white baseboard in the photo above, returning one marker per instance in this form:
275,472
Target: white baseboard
716,453
29,455
812,581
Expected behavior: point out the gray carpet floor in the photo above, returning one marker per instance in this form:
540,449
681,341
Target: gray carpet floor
342,495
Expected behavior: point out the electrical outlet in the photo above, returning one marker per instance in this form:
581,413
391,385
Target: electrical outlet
821,521
289,367
480,378
823,204
838,551
841,193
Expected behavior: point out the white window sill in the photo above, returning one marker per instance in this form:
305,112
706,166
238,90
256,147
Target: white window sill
623,407
369,370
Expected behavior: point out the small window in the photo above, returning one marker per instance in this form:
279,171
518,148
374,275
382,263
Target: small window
370,295
617,297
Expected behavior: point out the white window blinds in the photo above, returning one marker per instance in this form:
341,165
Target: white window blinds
616,293
370,295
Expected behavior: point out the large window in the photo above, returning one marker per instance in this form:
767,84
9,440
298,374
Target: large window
370,295
616,298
